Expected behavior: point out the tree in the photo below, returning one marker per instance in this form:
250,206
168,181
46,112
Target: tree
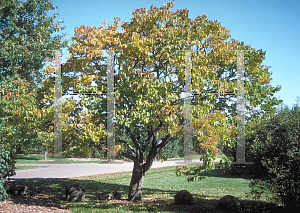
149,80
17,111
82,136
24,124
27,37
274,149
7,167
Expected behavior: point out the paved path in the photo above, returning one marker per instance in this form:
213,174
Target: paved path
85,169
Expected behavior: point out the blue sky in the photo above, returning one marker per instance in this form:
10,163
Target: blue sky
270,25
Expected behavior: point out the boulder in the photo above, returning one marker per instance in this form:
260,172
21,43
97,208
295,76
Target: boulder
110,196
229,202
184,197
14,189
117,195
75,193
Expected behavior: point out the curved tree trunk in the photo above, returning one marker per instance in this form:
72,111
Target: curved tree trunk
140,168
136,183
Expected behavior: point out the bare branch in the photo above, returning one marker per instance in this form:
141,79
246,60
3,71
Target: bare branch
155,149
150,134
136,144
128,145
147,165
164,141
129,156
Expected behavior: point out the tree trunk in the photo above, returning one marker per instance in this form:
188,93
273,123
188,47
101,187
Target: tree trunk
136,183
140,168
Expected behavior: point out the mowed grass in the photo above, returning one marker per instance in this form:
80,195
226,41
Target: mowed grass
193,158
18,168
160,187
39,159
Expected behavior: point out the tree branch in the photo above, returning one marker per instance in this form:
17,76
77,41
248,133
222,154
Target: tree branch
153,138
148,138
129,156
163,142
136,144
128,145
154,151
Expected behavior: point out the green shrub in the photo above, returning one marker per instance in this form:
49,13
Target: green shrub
275,151
7,168
7,162
3,194
173,149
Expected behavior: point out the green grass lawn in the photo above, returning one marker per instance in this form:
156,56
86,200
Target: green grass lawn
160,187
39,159
194,158
18,168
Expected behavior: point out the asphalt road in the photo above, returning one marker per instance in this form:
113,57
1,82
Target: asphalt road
85,169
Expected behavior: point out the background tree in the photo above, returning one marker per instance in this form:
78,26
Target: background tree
274,149
82,137
24,124
149,81
21,116
27,37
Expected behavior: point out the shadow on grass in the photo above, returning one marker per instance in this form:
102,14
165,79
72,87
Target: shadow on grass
24,157
221,173
154,200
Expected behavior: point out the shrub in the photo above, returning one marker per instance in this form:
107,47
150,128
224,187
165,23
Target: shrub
275,151
7,168
173,149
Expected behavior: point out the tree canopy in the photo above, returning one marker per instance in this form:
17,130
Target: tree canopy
149,81
27,36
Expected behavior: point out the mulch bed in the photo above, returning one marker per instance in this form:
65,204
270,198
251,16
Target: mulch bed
31,200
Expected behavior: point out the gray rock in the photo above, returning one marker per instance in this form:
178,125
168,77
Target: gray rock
184,197
110,196
75,193
229,202
117,196
14,189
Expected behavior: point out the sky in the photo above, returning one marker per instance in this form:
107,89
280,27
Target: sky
270,25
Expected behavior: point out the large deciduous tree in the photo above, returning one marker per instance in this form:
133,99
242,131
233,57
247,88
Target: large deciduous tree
27,36
149,81
25,123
